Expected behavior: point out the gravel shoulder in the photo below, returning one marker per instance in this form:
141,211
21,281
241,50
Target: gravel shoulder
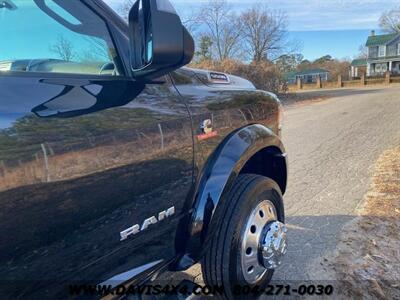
332,145
367,257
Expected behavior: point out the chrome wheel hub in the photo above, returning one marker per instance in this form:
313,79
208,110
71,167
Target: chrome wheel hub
263,242
273,248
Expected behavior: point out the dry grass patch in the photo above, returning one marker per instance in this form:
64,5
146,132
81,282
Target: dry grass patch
368,255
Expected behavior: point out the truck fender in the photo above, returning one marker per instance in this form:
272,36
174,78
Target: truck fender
217,178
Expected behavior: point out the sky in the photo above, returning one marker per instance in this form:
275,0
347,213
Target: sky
37,41
335,27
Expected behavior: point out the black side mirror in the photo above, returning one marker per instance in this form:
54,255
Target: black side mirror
159,43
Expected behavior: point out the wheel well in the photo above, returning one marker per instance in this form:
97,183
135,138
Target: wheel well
269,162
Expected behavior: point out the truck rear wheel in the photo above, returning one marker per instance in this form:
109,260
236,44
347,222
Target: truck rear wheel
250,238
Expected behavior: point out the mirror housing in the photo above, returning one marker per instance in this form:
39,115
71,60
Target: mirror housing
159,43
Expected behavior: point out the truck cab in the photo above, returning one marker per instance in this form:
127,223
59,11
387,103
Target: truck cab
118,163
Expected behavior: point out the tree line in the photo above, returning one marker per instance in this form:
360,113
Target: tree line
244,43
221,33
254,43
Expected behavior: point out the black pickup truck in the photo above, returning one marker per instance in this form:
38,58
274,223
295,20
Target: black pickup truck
117,163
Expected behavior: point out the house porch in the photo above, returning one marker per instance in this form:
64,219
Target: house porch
381,67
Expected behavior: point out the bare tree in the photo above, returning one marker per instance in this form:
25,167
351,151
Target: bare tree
223,27
125,7
191,21
390,20
64,49
97,51
362,51
258,32
264,32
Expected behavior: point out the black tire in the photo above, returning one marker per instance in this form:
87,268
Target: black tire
221,264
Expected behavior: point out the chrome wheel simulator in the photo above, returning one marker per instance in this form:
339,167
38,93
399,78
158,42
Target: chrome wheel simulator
263,242
273,246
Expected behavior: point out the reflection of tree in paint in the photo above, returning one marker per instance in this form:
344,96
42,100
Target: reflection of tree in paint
97,51
36,150
64,49
27,133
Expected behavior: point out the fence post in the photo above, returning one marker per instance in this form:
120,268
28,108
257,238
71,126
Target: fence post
2,168
51,151
340,83
299,84
162,137
387,78
319,83
363,79
243,115
46,163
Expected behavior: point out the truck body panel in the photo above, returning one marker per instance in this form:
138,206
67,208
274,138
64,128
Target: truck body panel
105,179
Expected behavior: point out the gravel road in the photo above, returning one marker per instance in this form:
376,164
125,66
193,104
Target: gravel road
332,146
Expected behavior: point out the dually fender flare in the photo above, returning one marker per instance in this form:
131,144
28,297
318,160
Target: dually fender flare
217,177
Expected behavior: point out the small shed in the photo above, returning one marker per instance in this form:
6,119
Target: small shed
308,76
358,67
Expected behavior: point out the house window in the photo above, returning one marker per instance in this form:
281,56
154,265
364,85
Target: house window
382,51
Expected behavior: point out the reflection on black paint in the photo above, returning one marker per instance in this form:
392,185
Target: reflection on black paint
70,183
230,108
209,208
